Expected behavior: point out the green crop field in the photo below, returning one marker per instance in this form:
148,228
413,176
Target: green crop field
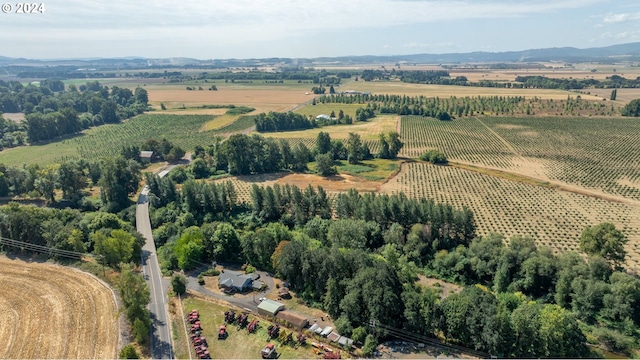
596,153
106,140
551,217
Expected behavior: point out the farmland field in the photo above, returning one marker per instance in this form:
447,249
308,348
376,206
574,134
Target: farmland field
49,311
594,153
267,99
106,140
368,130
551,217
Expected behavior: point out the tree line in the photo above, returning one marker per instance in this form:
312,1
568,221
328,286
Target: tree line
276,121
52,111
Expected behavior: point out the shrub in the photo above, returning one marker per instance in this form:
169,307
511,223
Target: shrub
129,352
250,269
200,279
434,157
179,284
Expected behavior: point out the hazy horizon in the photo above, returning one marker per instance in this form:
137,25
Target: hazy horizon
305,29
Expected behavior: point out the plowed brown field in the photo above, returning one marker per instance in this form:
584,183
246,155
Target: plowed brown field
53,312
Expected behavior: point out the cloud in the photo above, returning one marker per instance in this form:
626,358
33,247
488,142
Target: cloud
621,18
279,15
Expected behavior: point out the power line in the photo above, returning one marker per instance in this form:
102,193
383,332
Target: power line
413,337
43,249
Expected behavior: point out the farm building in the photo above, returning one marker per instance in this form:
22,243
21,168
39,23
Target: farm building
323,117
295,320
146,156
235,281
269,307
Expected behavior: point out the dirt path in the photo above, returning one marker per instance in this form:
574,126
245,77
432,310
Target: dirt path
544,181
51,311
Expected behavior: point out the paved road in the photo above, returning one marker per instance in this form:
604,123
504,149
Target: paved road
161,347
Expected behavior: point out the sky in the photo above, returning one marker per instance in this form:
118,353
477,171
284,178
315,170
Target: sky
221,29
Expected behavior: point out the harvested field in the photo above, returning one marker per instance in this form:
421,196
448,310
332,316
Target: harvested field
49,311
368,130
553,218
267,99
444,91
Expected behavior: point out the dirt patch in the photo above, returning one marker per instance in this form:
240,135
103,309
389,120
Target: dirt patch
625,181
15,117
342,182
50,311
510,126
446,289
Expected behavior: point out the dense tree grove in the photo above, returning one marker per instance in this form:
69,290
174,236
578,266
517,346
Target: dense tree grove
52,111
632,108
243,154
274,121
100,233
519,299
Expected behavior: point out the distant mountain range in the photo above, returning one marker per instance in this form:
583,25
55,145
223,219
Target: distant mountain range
609,54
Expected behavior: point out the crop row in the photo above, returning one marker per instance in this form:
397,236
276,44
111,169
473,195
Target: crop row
602,153
463,139
553,218
599,153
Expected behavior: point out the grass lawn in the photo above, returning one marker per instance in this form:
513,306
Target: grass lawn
372,170
239,344
319,108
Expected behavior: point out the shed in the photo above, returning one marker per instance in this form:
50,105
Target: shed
269,307
146,156
284,293
296,320
334,336
345,341
326,331
313,327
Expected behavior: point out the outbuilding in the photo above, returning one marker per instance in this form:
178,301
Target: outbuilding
295,320
269,307
146,156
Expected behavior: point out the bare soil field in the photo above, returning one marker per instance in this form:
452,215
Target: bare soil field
49,311
369,130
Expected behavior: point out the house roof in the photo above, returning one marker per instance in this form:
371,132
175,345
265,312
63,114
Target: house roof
234,279
146,154
270,306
